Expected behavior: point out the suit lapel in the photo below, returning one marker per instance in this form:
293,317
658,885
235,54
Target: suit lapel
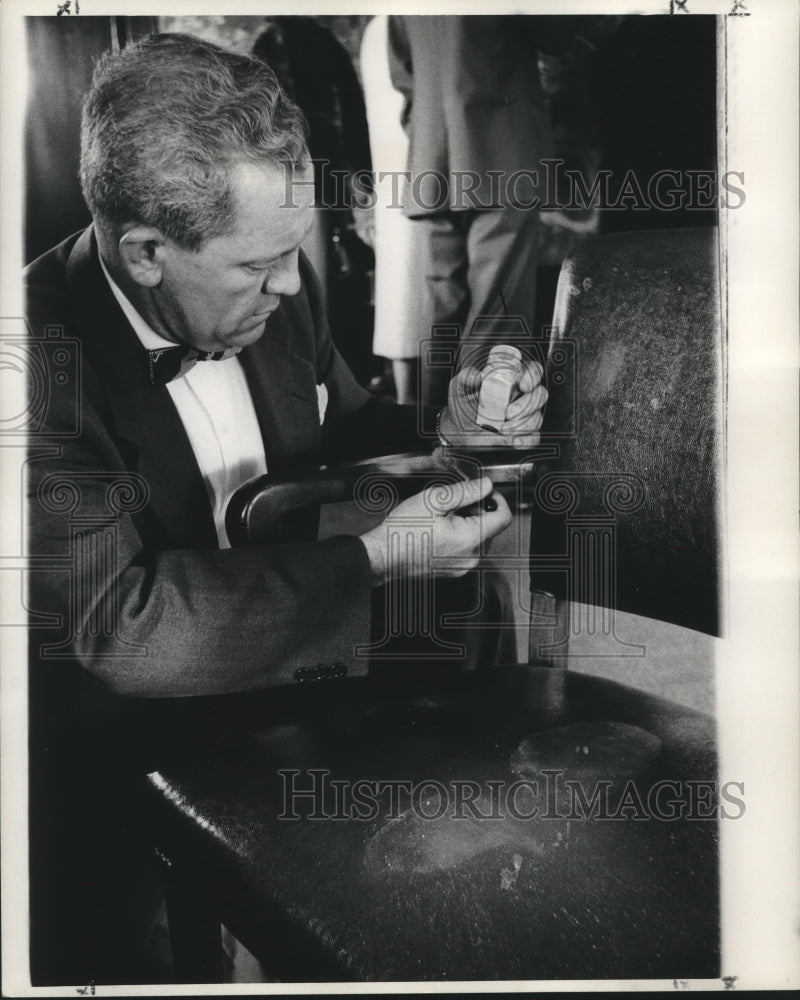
166,461
145,422
283,388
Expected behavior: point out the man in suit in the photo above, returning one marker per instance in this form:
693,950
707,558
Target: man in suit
478,130
202,359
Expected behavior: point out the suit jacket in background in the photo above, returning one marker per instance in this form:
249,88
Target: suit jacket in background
473,100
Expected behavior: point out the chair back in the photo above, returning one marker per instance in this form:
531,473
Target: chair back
628,515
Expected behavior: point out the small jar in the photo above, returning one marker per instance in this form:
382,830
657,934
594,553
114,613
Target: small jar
501,375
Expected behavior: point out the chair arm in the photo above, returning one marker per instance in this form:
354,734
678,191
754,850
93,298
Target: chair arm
261,502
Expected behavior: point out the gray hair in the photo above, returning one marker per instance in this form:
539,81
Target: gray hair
164,122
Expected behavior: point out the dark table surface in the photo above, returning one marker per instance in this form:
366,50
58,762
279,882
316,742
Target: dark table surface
373,890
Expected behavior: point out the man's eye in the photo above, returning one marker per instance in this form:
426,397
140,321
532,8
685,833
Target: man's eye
254,269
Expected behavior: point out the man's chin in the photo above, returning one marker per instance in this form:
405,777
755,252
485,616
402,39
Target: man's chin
248,333
252,331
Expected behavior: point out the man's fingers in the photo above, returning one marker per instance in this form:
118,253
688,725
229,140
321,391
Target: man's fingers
527,405
472,491
492,512
526,423
531,376
462,404
465,382
449,497
523,415
468,378
497,520
522,442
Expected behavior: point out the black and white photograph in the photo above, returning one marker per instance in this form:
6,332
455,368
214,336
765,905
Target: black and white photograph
398,448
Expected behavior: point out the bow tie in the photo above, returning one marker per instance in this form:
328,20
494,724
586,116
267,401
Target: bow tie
168,363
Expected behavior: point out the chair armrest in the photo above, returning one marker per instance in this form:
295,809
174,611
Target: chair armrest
261,502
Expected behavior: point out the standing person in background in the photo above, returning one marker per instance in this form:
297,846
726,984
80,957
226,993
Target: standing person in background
476,119
401,316
315,70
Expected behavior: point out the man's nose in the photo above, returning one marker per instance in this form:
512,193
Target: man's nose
283,277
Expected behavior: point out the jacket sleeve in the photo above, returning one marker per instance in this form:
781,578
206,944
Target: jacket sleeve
149,620
170,622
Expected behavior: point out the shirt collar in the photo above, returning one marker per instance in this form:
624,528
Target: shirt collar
149,339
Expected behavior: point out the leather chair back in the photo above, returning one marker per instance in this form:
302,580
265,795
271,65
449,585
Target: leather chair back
629,515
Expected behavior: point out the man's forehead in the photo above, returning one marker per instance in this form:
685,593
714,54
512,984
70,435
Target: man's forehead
275,184
272,209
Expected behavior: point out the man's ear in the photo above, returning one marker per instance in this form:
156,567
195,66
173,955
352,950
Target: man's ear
140,252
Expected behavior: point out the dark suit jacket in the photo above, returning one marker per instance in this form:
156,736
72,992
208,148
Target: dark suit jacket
473,100
167,613
132,603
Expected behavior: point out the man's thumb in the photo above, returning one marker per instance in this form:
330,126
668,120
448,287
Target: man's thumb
466,380
464,494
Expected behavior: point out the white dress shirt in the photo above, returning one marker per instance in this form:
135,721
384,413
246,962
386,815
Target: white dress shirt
216,410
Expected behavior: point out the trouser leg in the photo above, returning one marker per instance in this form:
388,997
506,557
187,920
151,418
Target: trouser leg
502,250
447,292
481,269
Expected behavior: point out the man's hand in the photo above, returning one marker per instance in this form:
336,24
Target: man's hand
427,536
458,425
